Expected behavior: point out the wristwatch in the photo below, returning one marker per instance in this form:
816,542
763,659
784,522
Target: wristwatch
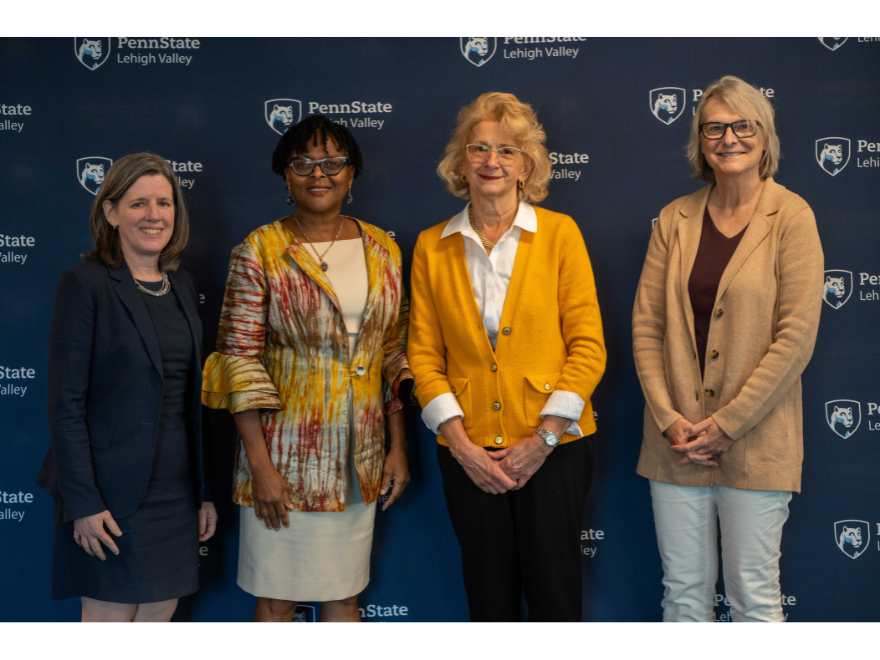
550,439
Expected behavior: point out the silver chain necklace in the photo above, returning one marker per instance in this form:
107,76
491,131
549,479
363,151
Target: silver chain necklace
166,286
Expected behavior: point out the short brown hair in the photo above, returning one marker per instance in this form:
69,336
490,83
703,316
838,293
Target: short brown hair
119,178
515,117
746,101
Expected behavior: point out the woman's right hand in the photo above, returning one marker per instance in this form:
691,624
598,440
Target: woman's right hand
89,534
681,433
478,465
271,499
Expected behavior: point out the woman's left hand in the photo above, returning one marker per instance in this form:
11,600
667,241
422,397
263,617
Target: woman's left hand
707,447
396,469
207,521
522,460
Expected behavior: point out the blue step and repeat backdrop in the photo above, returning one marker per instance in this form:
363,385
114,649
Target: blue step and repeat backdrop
215,108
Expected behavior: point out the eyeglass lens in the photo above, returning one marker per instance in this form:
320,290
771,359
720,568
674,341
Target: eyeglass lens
329,166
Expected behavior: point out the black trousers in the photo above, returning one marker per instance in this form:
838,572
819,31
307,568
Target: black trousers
525,541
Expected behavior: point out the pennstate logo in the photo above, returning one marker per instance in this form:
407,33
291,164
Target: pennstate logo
852,537
832,154
478,50
92,52
281,114
843,416
838,287
304,614
832,43
667,103
91,172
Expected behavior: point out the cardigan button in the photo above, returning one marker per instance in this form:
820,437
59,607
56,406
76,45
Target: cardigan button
494,367
496,406
499,440
713,355
708,393
718,313
453,390
547,386
506,331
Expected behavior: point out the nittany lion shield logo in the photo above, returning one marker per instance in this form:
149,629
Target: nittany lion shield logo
832,154
844,416
281,114
852,537
305,614
838,287
667,103
92,52
91,172
832,43
478,50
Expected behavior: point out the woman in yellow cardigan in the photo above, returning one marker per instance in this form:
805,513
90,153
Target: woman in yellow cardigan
506,348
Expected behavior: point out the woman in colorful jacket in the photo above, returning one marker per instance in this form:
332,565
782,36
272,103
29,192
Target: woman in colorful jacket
724,322
311,354
506,346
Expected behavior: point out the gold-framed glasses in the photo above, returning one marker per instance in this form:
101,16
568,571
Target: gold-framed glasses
479,153
715,130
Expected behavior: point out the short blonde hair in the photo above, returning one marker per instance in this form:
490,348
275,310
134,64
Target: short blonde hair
515,117
747,102
120,177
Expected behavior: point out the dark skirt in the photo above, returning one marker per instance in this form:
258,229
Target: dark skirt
158,551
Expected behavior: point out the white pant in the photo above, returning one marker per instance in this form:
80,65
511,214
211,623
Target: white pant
751,533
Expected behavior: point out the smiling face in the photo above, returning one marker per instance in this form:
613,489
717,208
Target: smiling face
491,179
731,155
144,217
318,192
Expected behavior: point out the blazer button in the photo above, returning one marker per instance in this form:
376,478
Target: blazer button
494,367
506,331
360,371
713,355
499,440
718,313
547,386
708,393
496,406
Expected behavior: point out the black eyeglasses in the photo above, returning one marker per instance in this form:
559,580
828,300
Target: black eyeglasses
715,130
329,166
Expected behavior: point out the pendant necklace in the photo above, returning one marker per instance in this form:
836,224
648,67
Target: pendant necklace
321,261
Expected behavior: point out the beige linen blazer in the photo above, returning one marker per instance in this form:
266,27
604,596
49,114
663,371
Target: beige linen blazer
760,339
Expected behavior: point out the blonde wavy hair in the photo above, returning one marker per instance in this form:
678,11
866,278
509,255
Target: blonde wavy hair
747,102
515,117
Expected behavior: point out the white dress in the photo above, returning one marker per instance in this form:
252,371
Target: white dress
322,555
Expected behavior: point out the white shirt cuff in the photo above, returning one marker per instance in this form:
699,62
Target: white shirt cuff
562,404
441,409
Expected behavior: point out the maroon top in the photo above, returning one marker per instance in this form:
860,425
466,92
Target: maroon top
713,255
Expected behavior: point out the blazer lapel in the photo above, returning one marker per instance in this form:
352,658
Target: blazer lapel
308,263
757,230
189,311
520,265
690,228
128,293
377,264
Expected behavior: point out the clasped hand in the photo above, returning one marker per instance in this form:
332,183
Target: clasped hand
700,443
497,472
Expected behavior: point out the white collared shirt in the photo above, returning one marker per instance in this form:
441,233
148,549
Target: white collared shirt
490,277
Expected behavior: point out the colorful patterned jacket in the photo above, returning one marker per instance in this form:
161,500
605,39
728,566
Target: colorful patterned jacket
282,348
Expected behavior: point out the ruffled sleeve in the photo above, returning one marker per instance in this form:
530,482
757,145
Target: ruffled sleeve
234,377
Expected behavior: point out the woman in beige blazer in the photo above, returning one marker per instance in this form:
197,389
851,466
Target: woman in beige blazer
724,322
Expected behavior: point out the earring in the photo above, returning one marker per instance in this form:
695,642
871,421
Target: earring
290,199
350,198
463,178
522,184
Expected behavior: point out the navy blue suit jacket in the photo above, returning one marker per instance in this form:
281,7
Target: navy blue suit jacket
105,391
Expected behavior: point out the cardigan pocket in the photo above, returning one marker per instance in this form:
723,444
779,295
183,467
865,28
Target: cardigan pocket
536,391
463,395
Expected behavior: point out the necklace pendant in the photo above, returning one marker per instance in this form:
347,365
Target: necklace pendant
324,266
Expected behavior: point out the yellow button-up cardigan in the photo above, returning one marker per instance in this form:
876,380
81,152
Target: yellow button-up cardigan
551,332
282,348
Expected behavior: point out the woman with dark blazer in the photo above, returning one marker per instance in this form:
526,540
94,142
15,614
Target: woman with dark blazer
126,461
724,323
